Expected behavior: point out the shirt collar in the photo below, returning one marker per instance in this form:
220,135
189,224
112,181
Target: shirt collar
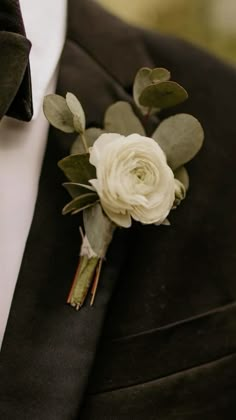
45,25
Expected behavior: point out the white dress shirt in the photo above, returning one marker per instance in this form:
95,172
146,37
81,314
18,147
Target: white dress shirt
22,145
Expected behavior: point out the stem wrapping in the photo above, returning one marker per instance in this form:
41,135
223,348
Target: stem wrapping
82,281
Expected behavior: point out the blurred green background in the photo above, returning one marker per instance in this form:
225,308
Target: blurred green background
208,23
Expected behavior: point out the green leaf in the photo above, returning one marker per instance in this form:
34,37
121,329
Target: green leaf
182,175
163,95
77,168
91,134
75,189
160,75
77,124
57,113
180,137
76,108
80,203
120,118
99,229
142,80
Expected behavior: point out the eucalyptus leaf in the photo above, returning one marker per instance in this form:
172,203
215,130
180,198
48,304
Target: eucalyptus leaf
91,134
160,75
77,110
76,189
120,118
180,137
141,81
57,113
77,168
98,228
163,95
80,203
77,124
144,78
182,175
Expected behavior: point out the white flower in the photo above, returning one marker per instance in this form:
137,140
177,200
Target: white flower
133,179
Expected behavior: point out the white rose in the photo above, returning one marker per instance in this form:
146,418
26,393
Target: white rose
133,179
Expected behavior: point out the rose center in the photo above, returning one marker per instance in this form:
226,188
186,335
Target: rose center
139,173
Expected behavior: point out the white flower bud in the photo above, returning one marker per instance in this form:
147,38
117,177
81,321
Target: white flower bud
180,193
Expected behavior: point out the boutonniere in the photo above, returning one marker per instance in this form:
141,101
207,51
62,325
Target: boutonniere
117,174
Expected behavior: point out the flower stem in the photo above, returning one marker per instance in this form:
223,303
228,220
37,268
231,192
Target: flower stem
82,281
74,282
96,281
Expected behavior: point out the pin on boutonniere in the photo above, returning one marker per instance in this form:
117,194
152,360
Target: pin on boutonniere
117,173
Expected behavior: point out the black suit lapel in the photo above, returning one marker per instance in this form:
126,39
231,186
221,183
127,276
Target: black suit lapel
15,81
49,348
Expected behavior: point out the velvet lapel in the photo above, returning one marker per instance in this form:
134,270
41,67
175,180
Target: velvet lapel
15,81
49,348
15,54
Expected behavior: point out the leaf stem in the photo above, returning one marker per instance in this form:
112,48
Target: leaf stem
147,116
83,138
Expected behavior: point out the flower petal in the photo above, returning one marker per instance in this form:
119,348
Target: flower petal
99,145
123,220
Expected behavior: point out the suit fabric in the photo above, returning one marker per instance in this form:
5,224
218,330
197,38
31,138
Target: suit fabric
159,342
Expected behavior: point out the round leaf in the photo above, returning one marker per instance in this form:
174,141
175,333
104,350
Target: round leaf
76,108
77,168
180,137
163,95
57,113
160,75
120,118
142,80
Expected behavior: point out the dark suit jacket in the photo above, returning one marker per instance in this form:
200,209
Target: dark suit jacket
160,341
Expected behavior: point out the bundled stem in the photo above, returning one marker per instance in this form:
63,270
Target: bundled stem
82,281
